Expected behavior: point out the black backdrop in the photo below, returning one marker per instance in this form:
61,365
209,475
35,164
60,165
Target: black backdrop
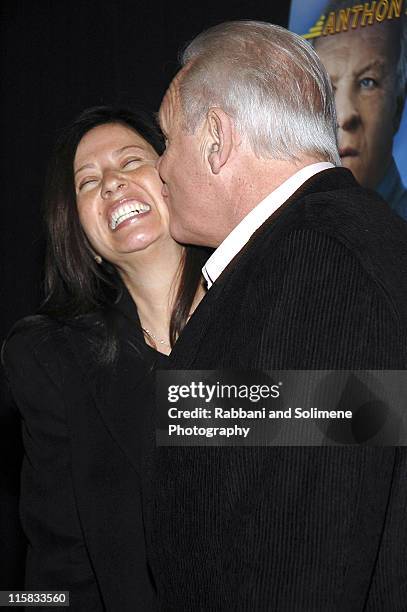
59,57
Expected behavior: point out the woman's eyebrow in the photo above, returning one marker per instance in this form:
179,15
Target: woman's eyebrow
118,152
84,167
128,147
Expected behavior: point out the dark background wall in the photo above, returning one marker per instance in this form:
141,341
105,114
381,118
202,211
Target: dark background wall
59,57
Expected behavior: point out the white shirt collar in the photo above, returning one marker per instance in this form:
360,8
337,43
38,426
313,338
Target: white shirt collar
240,235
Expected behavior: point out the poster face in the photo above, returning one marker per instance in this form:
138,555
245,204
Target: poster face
364,49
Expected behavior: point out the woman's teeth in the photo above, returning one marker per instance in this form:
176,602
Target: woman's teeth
124,212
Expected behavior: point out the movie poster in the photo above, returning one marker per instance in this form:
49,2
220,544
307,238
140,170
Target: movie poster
364,48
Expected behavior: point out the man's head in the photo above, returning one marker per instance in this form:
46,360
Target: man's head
250,106
367,66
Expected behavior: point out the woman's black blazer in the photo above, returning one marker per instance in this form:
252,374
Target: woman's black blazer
84,433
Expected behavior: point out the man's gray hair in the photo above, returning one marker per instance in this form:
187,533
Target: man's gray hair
270,81
397,28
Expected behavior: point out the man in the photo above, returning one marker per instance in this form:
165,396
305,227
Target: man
368,69
309,272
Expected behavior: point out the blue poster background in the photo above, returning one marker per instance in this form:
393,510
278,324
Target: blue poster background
303,15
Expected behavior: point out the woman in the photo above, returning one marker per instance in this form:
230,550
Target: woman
119,291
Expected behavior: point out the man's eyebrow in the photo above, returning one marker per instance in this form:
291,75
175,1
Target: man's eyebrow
379,63
158,121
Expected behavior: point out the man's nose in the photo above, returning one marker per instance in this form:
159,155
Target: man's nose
112,183
347,110
158,166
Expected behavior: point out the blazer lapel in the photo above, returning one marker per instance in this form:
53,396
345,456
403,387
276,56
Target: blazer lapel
187,345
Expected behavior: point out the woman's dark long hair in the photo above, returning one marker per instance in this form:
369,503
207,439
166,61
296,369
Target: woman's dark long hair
75,284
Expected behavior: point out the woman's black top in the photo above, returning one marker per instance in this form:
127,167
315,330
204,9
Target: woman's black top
85,438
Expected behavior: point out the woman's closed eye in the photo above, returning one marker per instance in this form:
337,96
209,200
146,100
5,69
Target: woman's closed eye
87,182
130,163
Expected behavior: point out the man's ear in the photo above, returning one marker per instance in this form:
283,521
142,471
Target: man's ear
220,138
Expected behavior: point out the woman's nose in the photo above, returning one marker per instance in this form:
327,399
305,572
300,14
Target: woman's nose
113,182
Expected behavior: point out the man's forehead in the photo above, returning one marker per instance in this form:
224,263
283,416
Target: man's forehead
380,38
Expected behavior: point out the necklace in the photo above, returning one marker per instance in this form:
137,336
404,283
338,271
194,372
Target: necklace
154,337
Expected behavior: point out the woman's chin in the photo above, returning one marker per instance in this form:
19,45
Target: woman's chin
138,244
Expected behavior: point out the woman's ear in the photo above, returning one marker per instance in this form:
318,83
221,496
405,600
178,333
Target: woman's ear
220,138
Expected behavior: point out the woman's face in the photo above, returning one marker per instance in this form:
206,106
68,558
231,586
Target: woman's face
118,192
